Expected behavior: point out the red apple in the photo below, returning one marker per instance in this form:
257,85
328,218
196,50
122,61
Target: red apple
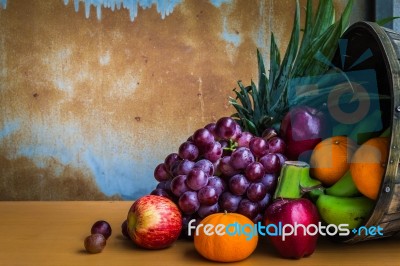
288,214
302,129
154,222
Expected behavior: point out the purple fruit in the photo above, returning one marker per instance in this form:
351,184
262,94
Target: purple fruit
302,128
270,181
101,227
229,202
95,243
254,171
271,163
258,146
124,229
241,158
276,145
225,128
188,150
161,173
244,139
161,192
238,184
248,208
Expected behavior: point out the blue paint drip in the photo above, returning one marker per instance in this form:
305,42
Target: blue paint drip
4,4
9,128
164,7
230,37
218,3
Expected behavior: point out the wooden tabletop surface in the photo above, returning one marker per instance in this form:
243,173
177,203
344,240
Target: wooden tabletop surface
52,233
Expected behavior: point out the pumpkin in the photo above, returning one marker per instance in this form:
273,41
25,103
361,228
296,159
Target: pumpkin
225,237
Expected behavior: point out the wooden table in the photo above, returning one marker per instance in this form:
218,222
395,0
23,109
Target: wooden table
52,233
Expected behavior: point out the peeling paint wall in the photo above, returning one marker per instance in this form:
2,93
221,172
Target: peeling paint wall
91,102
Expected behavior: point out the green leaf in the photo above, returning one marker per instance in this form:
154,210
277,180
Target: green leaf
384,21
281,83
262,79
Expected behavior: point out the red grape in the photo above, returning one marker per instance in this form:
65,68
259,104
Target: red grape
248,208
184,167
271,163
258,146
188,202
211,127
241,158
161,192
226,168
263,204
213,152
229,202
244,139
189,151
257,219
101,227
238,184
124,229
178,185
269,133
170,160
205,165
95,243
196,179
207,195
202,138
206,210
225,128
254,171
276,145
256,192
217,183
161,173
270,182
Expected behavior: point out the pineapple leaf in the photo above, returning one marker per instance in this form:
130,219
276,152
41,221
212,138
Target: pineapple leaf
275,63
280,85
263,80
260,107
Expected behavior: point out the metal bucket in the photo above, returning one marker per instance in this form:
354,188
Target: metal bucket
384,60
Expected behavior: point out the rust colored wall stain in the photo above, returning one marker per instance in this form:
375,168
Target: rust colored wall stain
89,107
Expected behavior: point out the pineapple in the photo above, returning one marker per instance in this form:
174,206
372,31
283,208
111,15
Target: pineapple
263,105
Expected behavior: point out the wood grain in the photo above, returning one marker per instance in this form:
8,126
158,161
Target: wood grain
52,233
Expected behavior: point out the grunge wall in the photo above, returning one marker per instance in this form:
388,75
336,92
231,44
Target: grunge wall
90,103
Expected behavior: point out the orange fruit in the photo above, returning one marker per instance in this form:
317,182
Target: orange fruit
228,247
368,166
331,159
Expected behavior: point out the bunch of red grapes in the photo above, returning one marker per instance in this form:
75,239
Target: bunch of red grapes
222,168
